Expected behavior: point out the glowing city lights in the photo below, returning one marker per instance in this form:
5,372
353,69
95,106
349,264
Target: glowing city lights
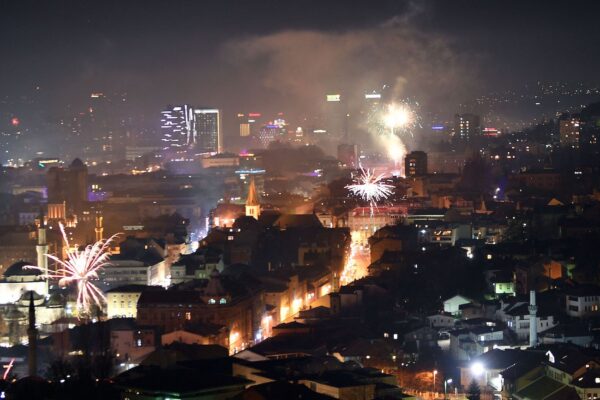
356,266
349,273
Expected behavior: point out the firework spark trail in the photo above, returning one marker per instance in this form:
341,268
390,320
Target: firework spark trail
370,187
81,267
8,367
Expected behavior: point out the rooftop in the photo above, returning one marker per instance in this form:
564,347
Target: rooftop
177,380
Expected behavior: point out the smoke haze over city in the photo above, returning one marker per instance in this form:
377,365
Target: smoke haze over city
272,57
311,199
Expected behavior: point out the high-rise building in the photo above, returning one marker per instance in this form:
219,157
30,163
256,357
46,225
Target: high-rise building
208,130
273,131
467,126
415,163
99,127
336,117
178,126
569,129
187,127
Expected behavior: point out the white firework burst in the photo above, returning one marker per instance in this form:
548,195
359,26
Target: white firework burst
370,187
81,268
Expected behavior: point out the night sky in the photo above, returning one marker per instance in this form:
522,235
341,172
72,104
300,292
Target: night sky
276,55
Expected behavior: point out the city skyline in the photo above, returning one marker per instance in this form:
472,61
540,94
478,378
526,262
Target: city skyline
266,200
424,52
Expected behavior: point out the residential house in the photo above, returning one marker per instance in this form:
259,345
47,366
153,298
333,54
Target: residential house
583,301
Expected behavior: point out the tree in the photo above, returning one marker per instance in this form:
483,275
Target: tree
473,391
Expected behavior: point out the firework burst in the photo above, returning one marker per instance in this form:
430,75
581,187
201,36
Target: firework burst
81,268
400,118
394,125
370,187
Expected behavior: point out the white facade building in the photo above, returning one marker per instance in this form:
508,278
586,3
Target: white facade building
583,301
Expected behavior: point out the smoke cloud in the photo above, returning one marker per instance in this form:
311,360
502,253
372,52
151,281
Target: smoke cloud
305,65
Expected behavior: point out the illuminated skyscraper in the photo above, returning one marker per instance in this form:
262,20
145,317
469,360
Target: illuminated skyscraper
186,127
467,126
208,130
336,117
177,124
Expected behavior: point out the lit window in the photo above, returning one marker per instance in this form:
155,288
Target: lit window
188,315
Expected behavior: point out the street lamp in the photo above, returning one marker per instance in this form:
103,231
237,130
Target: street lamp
434,374
446,382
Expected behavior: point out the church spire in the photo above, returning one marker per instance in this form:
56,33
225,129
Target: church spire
252,199
252,202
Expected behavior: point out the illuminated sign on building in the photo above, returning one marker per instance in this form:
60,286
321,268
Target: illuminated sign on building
371,96
133,227
334,97
492,132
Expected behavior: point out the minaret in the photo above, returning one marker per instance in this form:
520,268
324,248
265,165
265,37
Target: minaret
42,249
252,203
32,334
532,320
99,229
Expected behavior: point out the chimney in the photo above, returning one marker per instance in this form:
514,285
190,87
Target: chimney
532,320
